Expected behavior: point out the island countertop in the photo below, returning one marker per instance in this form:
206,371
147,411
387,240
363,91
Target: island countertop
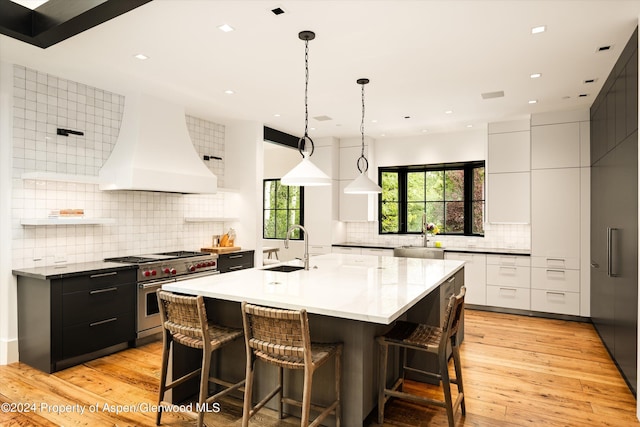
368,288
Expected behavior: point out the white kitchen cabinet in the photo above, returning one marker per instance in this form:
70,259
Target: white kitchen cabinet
376,251
474,275
555,214
555,146
319,249
346,250
317,214
355,207
509,281
509,198
509,152
558,302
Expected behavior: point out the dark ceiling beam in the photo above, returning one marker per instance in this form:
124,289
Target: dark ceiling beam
57,20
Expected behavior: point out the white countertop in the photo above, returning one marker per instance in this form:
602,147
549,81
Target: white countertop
369,288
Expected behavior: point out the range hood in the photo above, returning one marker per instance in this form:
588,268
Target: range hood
154,151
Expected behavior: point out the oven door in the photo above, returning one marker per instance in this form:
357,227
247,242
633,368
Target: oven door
148,310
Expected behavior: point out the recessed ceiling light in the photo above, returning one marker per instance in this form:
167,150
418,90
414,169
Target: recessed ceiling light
533,101
229,92
539,29
276,115
469,126
536,75
449,112
383,134
424,130
141,56
226,28
374,121
277,11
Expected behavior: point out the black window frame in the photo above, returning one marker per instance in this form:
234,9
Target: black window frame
403,172
297,235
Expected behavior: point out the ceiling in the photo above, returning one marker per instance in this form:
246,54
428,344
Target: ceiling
423,58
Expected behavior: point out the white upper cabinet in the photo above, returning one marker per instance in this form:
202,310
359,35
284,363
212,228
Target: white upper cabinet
509,152
509,198
555,146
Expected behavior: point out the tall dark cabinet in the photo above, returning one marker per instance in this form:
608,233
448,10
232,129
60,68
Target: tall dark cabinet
614,212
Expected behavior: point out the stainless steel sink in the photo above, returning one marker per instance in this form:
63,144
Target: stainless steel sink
418,252
284,268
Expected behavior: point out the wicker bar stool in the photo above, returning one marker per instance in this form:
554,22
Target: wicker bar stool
184,320
430,339
281,337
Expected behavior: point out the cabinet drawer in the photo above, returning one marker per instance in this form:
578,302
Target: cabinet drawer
555,262
555,302
376,251
346,250
98,280
90,305
446,290
555,279
508,297
509,260
319,249
512,276
235,261
92,336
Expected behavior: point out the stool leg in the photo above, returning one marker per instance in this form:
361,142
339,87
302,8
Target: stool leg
456,363
446,388
166,345
248,388
382,381
338,368
306,396
204,384
281,392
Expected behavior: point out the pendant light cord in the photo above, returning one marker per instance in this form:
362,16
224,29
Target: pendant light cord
302,141
362,158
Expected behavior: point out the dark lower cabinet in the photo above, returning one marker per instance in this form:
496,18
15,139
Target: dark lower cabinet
64,321
614,214
235,261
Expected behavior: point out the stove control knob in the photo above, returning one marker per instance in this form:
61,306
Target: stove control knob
166,270
153,272
192,268
173,271
146,273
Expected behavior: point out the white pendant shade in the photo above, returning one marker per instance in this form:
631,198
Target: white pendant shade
306,174
362,185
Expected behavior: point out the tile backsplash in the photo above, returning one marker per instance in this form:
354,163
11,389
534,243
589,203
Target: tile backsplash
506,236
144,222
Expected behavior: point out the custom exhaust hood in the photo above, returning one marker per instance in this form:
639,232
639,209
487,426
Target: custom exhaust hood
154,151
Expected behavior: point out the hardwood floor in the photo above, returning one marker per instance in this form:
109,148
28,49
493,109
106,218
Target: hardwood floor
518,371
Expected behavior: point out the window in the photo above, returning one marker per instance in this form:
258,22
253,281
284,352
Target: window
283,207
451,196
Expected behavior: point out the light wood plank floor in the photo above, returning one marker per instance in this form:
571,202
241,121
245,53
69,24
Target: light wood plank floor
518,371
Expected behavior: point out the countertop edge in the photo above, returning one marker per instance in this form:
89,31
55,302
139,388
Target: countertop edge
488,251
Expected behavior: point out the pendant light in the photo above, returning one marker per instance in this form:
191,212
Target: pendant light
362,184
306,173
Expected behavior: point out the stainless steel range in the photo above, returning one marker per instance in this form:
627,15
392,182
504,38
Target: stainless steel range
155,270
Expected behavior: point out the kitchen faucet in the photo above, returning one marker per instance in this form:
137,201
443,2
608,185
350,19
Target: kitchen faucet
306,243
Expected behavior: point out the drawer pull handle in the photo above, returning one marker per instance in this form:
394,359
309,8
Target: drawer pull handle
235,256
549,270
508,292
236,267
102,322
556,262
511,260
556,293
111,273
102,291
451,279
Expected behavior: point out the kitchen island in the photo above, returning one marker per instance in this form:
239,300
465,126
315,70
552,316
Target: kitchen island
349,298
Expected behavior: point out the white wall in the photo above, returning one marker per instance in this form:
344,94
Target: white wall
8,301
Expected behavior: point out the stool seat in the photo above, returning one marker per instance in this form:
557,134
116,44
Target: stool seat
439,341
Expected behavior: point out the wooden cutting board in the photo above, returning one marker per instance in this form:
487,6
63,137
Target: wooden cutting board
221,249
